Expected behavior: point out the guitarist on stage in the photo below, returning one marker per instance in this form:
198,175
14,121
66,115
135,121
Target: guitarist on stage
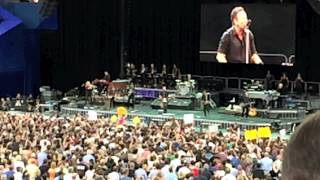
206,102
164,99
245,104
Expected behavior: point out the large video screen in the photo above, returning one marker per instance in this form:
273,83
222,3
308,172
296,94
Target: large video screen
270,28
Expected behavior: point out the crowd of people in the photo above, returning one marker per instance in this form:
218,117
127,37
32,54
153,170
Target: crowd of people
36,147
20,103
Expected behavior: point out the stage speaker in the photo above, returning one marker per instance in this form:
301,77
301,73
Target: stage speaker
81,104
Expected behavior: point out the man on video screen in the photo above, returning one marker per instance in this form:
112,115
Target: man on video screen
237,43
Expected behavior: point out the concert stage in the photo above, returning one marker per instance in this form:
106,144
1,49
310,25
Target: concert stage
217,116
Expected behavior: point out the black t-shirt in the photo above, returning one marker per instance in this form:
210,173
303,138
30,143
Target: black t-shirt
81,169
234,48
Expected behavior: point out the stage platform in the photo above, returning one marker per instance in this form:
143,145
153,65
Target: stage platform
216,116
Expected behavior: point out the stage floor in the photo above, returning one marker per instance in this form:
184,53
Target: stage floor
217,115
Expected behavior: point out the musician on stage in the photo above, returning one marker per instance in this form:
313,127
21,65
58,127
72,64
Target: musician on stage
164,74
269,81
152,75
105,81
206,102
128,70
233,42
164,99
245,105
3,105
107,76
143,73
19,101
176,74
283,85
133,70
298,84
131,98
152,70
88,91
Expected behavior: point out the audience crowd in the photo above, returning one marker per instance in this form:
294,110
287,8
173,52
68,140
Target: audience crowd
36,147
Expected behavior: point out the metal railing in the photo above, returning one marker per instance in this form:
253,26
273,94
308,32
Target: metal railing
285,61
159,119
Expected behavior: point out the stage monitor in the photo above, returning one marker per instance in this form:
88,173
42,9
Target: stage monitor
271,28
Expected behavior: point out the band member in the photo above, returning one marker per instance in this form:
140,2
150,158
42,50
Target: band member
245,105
19,101
133,70
176,74
102,84
128,70
131,99
107,76
283,85
206,102
298,84
3,106
164,70
30,102
152,75
152,70
232,45
269,81
142,69
9,104
164,99
88,91
142,73
164,74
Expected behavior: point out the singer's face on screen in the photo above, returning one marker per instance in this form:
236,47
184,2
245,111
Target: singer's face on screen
241,20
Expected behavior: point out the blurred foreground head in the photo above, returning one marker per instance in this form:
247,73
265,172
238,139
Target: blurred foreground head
302,155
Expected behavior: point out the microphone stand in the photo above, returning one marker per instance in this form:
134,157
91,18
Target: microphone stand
247,31
247,45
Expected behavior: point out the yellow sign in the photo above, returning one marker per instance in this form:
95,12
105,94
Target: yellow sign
264,132
250,134
136,120
114,119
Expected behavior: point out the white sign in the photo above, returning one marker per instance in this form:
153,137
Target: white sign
214,128
188,118
282,133
92,116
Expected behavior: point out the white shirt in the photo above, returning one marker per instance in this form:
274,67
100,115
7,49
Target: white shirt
184,170
89,174
175,163
18,176
68,176
277,164
114,176
229,177
165,169
18,164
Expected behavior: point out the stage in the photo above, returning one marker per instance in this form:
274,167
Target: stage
216,116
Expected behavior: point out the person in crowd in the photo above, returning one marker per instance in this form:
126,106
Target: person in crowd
301,158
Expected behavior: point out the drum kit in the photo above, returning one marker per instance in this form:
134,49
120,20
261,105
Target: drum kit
185,88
